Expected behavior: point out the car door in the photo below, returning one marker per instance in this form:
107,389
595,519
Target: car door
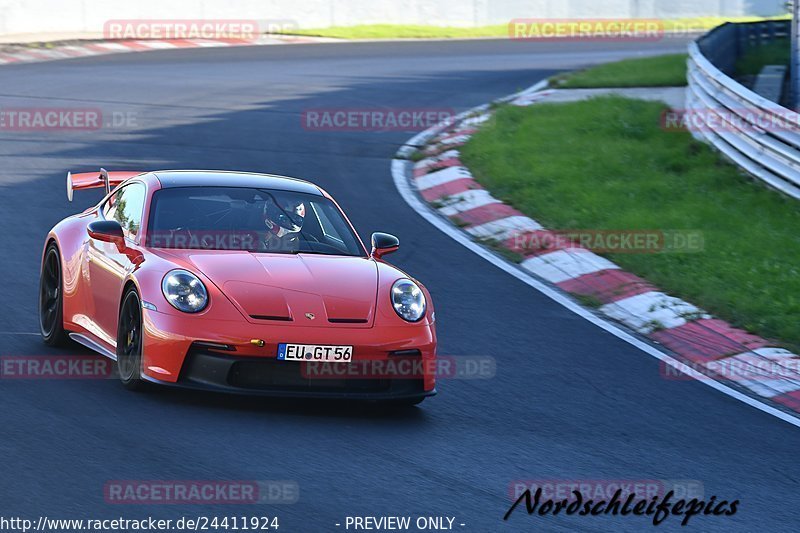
108,265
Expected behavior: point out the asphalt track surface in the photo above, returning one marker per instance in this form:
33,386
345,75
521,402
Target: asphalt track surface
568,402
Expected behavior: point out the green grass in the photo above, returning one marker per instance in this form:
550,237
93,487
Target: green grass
707,23
406,31
416,155
410,31
606,163
757,57
658,71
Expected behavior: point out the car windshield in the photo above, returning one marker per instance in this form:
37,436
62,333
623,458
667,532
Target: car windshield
255,220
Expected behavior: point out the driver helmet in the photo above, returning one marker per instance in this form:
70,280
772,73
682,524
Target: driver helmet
286,219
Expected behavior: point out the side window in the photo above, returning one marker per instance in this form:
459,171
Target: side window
126,207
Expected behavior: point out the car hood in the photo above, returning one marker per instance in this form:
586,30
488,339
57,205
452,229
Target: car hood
289,289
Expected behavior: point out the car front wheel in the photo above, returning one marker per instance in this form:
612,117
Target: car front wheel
51,307
129,342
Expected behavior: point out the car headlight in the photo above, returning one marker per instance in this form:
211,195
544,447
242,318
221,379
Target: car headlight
408,300
184,291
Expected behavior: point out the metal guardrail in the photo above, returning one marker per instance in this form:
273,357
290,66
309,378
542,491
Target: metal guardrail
759,135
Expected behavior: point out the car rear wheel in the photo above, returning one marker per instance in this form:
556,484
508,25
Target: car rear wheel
129,341
51,308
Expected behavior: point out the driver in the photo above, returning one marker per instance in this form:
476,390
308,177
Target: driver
284,223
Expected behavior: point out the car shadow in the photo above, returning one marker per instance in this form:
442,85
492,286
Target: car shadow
314,407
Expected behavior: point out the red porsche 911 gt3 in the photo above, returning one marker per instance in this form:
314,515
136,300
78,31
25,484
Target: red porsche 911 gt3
237,282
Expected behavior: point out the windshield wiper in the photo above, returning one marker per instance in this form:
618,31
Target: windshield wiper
315,252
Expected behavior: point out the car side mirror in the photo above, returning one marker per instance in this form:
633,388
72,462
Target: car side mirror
383,243
107,231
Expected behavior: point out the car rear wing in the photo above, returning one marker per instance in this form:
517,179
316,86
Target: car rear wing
93,180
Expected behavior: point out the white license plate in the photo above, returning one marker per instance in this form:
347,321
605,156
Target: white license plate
315,352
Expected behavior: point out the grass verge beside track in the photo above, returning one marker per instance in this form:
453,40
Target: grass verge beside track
754,59
606,163
658,71
406,31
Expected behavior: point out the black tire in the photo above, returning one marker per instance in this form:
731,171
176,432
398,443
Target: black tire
129,342
51,301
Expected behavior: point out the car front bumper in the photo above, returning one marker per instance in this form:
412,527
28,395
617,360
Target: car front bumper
177,352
